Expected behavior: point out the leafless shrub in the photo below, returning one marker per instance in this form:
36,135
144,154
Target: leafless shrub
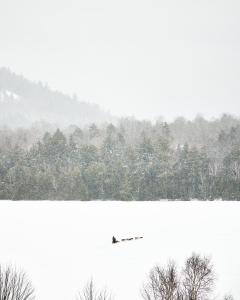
163,283
198,277
90,292
14,285
195,283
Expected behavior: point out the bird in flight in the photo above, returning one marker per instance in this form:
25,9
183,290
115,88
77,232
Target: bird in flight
114,240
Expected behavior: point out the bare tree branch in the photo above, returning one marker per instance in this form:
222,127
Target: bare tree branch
198,277
14,285
195,283
163,284
90,292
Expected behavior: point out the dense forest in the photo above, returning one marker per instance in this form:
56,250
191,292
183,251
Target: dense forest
134,160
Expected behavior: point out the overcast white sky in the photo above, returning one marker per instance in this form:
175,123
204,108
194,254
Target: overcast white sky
132,57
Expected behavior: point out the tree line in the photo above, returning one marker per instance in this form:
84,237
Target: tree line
134,160
195,282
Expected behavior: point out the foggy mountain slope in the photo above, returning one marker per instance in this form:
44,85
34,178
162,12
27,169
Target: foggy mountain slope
23,102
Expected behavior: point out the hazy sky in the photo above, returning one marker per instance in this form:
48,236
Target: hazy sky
132,57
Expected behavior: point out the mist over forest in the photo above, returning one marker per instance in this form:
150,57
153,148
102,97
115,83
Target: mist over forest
132,160
54,147
119,150
24,102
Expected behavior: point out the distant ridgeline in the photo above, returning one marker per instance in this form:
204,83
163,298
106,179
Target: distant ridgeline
132,161
23,102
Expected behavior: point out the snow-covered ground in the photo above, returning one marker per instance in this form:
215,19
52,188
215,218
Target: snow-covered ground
63,244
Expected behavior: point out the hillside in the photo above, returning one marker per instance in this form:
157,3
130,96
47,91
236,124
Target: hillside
23,102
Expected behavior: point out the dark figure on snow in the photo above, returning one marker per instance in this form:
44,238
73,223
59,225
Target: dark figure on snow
114,240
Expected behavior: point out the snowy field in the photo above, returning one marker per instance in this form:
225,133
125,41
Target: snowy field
61,245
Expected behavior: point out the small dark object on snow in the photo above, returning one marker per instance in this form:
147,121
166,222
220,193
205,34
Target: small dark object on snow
114,240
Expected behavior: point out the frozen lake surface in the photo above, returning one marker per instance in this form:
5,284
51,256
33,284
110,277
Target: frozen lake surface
61,245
